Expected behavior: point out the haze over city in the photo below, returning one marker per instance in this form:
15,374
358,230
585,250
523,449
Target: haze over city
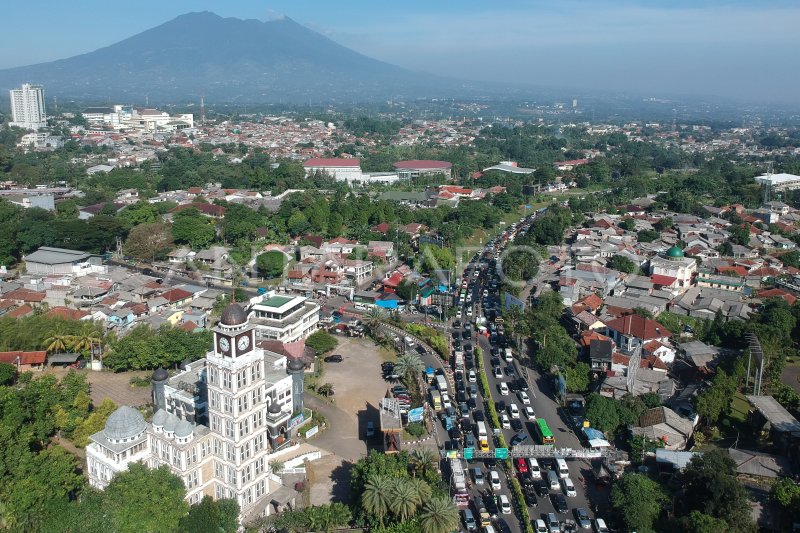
737,50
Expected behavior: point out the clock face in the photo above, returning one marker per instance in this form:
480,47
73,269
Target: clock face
243,342
224,344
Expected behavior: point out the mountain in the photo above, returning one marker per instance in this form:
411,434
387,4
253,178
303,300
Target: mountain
226,59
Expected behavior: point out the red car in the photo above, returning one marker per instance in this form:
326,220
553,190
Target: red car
522,465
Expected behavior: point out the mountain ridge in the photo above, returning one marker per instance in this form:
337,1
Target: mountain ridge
226,59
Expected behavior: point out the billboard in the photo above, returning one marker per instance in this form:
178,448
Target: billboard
296,421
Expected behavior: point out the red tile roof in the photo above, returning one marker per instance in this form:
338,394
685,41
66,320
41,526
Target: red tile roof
639,327
593,301
206,209
733,271
25,295
25,358
664,281
21,311
66,313
777,293
175,295
332,162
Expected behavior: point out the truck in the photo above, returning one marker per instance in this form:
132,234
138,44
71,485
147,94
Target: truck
483,436
436,400
459,359
441,383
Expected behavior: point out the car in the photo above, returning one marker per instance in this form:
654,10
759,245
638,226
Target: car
479,416
503,388
530,414
469,520
559,503
469,440
498,372
553,525
516,424
494,480
524,398
521,464
535,469
539,526
522,384
519,438
336,358
457,324
600,525
472,402
466,334
569,487
466,424
582,518
499,406
541,487
504,504
467,346
513,410
505,421
477,475
511,371
370,429
456,434
472,377
409,341
530,496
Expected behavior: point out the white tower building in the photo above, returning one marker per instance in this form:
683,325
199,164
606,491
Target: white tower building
27,107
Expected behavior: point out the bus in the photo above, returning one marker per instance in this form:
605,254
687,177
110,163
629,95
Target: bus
483,436
544,433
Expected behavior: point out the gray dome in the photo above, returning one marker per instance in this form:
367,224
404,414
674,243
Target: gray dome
160,418
274,408
160,375
171,423
184,429
233,315
124,423
295,364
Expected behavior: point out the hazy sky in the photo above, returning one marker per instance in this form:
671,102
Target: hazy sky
739,49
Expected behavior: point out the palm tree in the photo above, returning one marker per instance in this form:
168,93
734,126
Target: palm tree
57,341
422,489
439,515
376,496
86,339
423,460
404,499
373,319
409,365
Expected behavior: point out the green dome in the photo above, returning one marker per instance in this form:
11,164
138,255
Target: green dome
675,253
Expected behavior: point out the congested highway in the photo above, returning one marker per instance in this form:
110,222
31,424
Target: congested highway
522,399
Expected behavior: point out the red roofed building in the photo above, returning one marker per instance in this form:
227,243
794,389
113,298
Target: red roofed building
630,331
381,228
348,170
176,297
569,165
21,311
23,296
778,293
668,282
24,360
66,313
422,167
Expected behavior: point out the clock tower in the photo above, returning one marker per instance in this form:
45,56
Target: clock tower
234,336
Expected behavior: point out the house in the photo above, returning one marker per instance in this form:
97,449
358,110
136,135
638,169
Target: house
85,213
587,321
600,354
176,297
383,250
752,464
48,260
699,354
24,361
674,264
772,421
665,425
632,331
409,170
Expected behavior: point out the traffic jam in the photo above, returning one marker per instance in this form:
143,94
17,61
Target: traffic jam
482,350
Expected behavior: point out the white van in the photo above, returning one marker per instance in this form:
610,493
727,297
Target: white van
494,480
600,526
539,526
513,410
552,479
504,504
533,468
569,488
561,466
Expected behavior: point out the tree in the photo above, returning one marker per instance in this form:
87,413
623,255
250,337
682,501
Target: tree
787,493
192,228
577,377
602,412
271,264
211,516
57,342
409,365
8,373
326,389
376,498
321,341
423,460
133,495
716,399
637,499
148,241
710,486
439,515
404,499
647,235
623,264
87,338
95,422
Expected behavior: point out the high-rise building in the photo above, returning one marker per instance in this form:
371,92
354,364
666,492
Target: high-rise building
27,107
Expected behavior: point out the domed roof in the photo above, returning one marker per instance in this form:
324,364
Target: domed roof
171,423
295,364
160,418
233,315
184,429
124,423
675,252
274,408
160,375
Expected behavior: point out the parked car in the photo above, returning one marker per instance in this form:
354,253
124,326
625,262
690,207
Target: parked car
336,358
582,517
560,503
370,429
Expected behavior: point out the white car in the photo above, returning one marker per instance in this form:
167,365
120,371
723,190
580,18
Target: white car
513,410
539,526
469,311
524,398
472,377
503,388
530,413
534,468
600,525
504,504
505,421
498,372
569,488
494,480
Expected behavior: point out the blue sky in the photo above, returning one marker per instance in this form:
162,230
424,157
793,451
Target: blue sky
738,49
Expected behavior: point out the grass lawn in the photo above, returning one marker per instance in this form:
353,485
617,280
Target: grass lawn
739,409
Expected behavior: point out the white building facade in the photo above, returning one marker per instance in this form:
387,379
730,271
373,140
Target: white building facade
285,318
27,107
